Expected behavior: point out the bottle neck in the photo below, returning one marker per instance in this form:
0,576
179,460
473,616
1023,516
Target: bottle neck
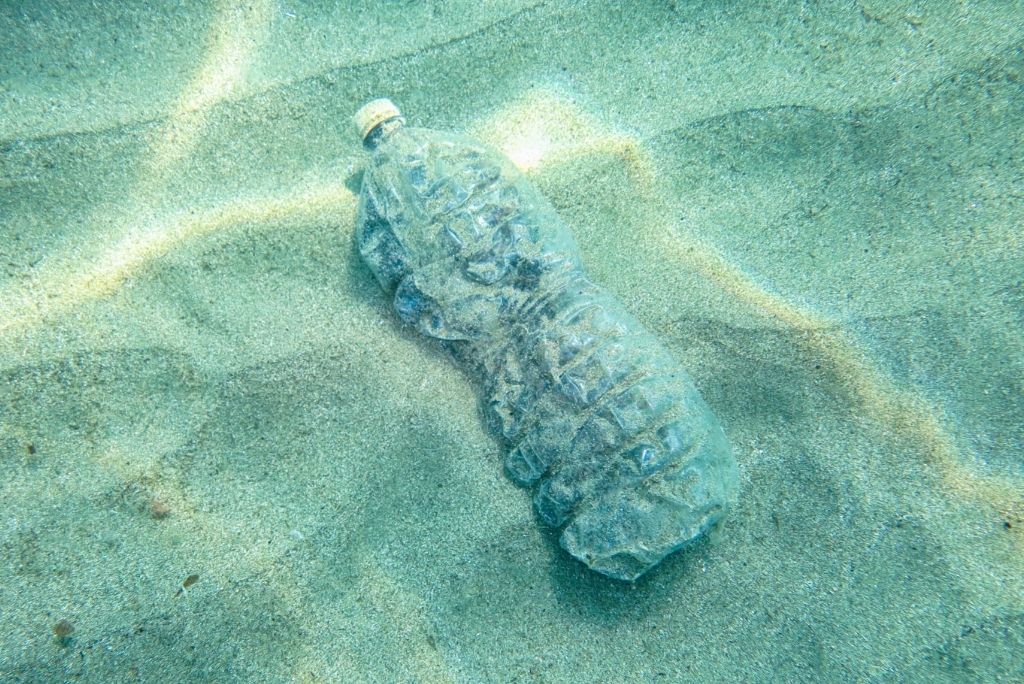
382,132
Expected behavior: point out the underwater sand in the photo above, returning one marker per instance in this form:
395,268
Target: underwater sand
817,207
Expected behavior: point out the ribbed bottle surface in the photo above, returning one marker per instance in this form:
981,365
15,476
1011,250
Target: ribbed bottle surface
596,415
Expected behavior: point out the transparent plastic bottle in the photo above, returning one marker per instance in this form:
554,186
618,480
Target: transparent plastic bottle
623,453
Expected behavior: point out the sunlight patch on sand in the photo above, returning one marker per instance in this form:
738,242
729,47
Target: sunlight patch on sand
234,38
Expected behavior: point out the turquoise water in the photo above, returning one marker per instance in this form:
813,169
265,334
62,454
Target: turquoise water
222,458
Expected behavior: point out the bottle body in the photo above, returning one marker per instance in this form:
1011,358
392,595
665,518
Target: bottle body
622,452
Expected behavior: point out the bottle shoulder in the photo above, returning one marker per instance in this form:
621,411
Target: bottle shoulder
443,195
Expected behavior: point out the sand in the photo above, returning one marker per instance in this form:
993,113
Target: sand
816,206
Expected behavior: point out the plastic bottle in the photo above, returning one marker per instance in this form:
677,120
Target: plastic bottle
623,453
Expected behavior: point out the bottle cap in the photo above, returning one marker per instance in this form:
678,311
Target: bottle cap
373,113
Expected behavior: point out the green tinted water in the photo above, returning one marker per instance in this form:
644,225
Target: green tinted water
817,208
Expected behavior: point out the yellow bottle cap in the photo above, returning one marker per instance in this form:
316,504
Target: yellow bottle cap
373,113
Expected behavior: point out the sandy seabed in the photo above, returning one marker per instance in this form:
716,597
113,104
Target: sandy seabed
223,459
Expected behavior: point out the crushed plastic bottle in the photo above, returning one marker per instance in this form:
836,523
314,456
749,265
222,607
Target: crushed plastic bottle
623,453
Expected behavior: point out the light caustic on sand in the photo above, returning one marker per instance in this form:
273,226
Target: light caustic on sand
540,129
545,129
